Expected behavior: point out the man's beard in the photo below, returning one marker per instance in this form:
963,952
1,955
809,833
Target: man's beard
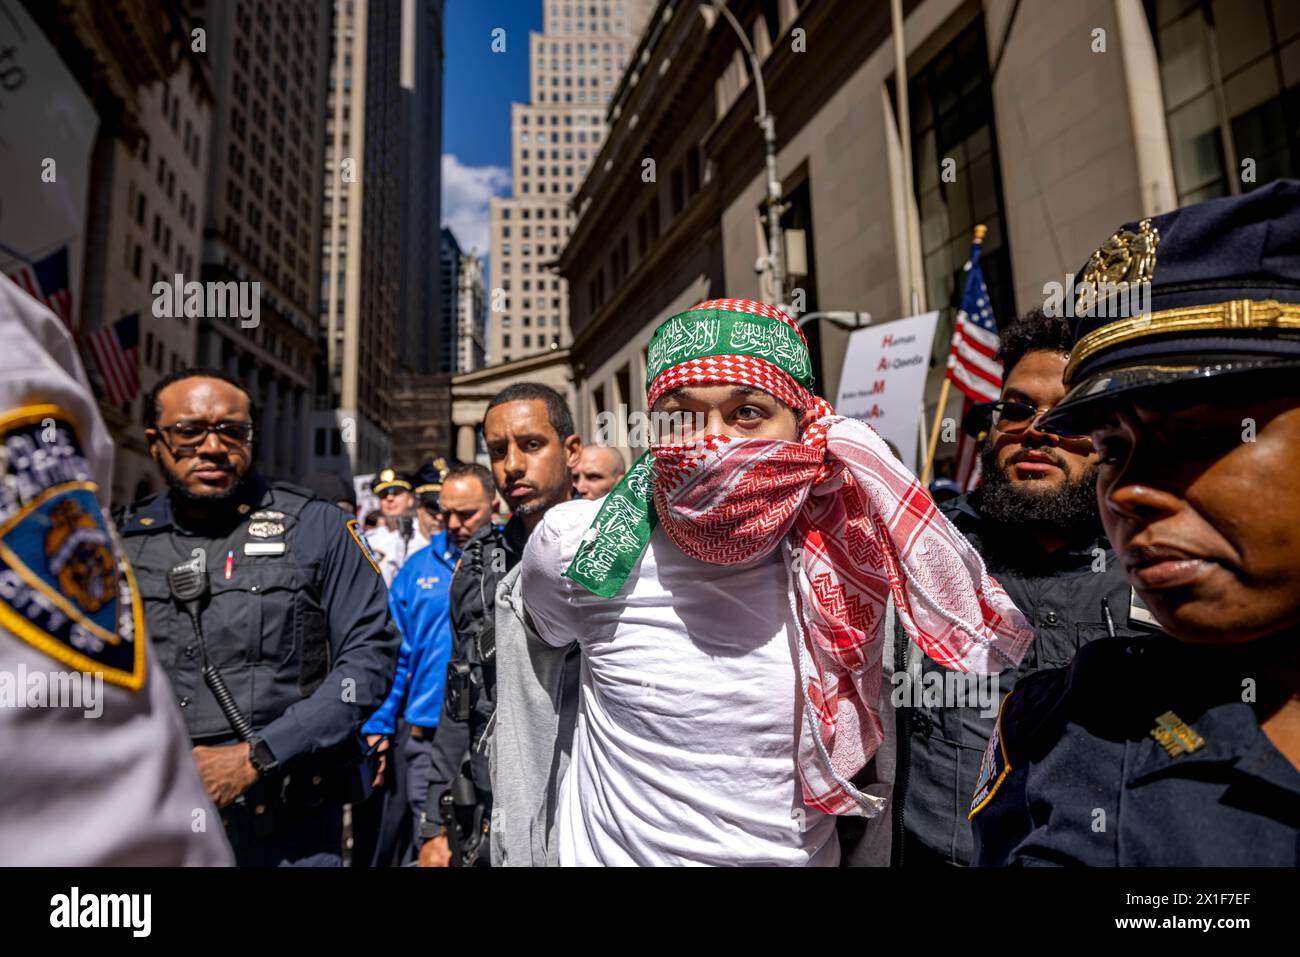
543,503
181,492
1069,508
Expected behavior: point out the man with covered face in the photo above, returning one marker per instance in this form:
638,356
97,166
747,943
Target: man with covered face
1181,747
728,597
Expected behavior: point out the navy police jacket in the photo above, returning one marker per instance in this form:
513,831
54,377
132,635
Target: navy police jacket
296,618
1144,751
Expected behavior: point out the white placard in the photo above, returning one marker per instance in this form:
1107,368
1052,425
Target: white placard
883,382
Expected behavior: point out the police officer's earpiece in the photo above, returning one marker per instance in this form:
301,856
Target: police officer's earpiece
188,582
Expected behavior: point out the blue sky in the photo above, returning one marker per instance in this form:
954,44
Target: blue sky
478,87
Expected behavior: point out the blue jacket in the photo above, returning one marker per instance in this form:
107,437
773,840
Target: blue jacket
419,601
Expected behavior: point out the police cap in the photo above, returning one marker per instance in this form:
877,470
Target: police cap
390,478
1201,292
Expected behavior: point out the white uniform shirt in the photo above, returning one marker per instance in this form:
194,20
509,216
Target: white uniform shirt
684,751
77,787
392,550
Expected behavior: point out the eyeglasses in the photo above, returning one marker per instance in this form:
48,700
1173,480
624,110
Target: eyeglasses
191,435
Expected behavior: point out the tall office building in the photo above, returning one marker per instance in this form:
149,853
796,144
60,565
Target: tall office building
422,345
575,64
449,260
262,220
143,215
361,240
470,313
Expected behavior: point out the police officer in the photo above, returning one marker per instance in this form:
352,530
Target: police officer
121,789
1034,522
420,604
528,430
1181,747
294,621
398,536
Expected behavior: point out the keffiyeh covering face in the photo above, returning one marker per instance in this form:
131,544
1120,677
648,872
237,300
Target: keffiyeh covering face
860,528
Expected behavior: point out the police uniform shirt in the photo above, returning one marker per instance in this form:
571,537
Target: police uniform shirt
1144,752
296,619
392,549
111,782
420,604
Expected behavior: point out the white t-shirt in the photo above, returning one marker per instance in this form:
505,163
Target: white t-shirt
684,752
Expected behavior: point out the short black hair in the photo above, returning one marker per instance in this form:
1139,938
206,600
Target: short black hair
479,472
152,409
1034,331
557,410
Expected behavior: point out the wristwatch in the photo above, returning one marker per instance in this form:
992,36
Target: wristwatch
261,758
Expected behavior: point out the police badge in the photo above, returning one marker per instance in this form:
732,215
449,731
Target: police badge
1122,264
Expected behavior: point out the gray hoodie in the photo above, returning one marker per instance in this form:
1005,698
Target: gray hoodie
532,737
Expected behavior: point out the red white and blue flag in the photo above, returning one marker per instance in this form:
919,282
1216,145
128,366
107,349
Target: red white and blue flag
972,365
46,281
116,349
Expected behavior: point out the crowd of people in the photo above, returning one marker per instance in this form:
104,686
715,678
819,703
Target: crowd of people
761,643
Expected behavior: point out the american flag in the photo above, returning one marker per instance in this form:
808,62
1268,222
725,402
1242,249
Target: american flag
46,281
117,352
971,363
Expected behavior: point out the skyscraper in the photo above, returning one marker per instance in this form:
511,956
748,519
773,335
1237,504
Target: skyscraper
361,240
574,66
470,314
449,259
262,220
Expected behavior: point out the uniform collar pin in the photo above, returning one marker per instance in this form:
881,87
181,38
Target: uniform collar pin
146,520
1176,736
245,509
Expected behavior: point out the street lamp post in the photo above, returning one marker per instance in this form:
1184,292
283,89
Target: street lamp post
775,259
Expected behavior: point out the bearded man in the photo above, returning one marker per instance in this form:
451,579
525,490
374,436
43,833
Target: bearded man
1036,525
728,597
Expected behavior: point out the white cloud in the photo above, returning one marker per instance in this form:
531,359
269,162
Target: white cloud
465,194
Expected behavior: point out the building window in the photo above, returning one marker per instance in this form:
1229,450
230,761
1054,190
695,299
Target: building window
952,118
1230,74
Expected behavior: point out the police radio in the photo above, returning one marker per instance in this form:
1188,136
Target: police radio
188,582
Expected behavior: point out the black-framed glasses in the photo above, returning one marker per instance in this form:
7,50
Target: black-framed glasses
191,435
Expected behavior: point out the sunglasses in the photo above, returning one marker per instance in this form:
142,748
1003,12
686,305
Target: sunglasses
1012,418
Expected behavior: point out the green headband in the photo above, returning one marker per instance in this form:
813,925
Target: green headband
701,333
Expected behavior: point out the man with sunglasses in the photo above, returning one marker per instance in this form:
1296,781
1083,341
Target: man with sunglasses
1180,747
1034,521
294,618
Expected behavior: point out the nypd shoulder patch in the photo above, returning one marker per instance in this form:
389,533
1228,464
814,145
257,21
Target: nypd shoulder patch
354,528
993,768
66,587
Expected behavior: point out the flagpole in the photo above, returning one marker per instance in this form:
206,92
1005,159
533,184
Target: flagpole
978,239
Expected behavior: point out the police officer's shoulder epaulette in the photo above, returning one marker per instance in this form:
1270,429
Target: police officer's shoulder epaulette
127,518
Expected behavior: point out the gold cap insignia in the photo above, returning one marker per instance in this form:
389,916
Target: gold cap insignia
1125,260
1175,735
387,475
